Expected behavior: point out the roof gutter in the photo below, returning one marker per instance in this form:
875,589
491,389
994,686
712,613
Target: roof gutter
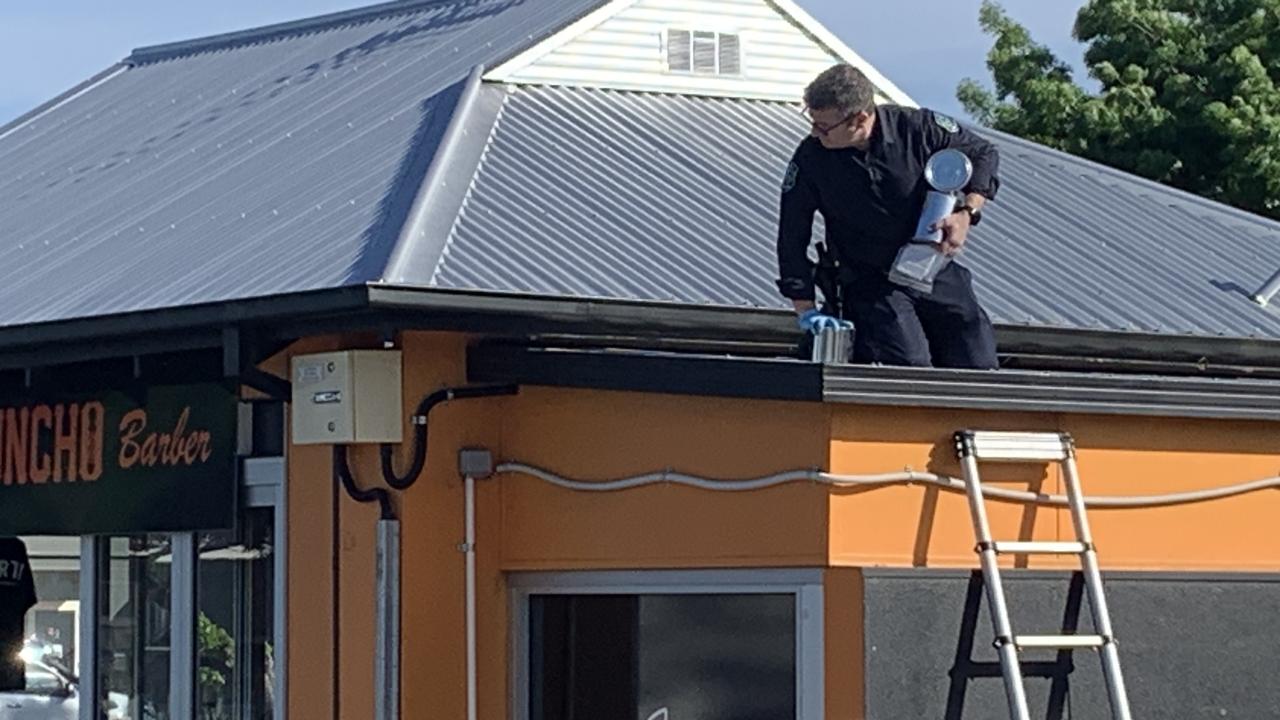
1011,390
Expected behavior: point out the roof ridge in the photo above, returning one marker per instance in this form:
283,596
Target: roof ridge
1253,218
277,31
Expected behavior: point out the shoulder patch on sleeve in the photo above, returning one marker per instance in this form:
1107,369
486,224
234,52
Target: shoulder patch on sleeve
789,180
946,122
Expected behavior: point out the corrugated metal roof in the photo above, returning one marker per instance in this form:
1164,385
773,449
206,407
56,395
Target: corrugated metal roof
274,160
597,193
293,158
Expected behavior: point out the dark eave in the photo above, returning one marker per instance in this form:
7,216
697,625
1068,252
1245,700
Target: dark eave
592,322
635,371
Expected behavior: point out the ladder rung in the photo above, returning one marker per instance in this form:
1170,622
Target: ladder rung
1059,641
1019,446
1038,548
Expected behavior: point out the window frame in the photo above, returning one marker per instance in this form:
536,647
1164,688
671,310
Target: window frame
804,584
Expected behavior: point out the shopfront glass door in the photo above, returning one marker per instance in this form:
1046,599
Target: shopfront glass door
234,624
133,627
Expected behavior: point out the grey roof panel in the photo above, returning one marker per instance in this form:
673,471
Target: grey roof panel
597,193
270,161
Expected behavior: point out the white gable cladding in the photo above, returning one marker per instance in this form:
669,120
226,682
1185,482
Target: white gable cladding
623,47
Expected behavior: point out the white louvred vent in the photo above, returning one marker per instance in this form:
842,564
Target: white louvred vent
679,50
730,54
703,52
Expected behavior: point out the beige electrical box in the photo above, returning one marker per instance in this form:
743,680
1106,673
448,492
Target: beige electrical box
347,397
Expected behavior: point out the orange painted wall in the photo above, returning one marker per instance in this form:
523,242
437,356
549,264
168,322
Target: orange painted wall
600,435
310,597
906,526
525,524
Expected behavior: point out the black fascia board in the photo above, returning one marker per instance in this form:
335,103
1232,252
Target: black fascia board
651,372
162,330
386,308
531,314
505,313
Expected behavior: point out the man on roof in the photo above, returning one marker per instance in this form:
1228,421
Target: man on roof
862,167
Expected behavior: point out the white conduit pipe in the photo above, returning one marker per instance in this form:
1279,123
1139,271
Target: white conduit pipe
469,547
907,477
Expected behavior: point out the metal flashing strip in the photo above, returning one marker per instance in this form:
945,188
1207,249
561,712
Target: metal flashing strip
1010,390
443,190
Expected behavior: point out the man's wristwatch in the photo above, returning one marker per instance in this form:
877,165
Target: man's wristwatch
975,215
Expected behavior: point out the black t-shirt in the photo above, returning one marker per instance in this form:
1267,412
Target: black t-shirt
17,595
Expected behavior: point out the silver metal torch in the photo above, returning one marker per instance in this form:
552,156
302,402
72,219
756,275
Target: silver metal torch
919,261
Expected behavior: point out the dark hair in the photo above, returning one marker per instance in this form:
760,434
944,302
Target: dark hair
840,87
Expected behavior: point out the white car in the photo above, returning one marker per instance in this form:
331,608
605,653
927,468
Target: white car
53,695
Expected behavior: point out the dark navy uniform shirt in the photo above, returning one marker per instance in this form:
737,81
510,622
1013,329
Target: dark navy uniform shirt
870,201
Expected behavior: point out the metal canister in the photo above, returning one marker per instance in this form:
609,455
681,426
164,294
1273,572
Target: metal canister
833,346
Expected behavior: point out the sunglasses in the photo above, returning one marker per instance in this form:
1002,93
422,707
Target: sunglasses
823,130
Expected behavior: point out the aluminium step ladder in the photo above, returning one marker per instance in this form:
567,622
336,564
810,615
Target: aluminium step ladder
1027,447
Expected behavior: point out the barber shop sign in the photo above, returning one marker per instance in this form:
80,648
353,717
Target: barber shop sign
150,459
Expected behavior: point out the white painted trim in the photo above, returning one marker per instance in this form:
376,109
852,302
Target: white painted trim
184,608
747,91
837,46
587,22
87,645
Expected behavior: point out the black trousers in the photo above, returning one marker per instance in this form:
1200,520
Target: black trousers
895,325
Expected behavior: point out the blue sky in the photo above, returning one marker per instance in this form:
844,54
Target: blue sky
925,46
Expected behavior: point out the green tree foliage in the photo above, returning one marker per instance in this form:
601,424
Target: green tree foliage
217,651
1190,93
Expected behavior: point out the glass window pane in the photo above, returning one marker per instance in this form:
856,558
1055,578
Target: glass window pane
235,631
53,623
46,634
710,657
133,628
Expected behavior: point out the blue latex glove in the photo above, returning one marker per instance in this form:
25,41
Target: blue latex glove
815,322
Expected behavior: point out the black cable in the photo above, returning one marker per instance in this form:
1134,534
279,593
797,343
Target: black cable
342,472
403,482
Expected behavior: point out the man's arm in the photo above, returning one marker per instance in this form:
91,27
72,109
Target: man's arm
942,132
795,231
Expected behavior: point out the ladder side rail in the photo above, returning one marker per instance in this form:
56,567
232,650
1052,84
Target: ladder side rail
1109,653
1009,663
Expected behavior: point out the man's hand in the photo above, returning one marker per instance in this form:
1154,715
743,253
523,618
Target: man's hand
955,231
813,321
